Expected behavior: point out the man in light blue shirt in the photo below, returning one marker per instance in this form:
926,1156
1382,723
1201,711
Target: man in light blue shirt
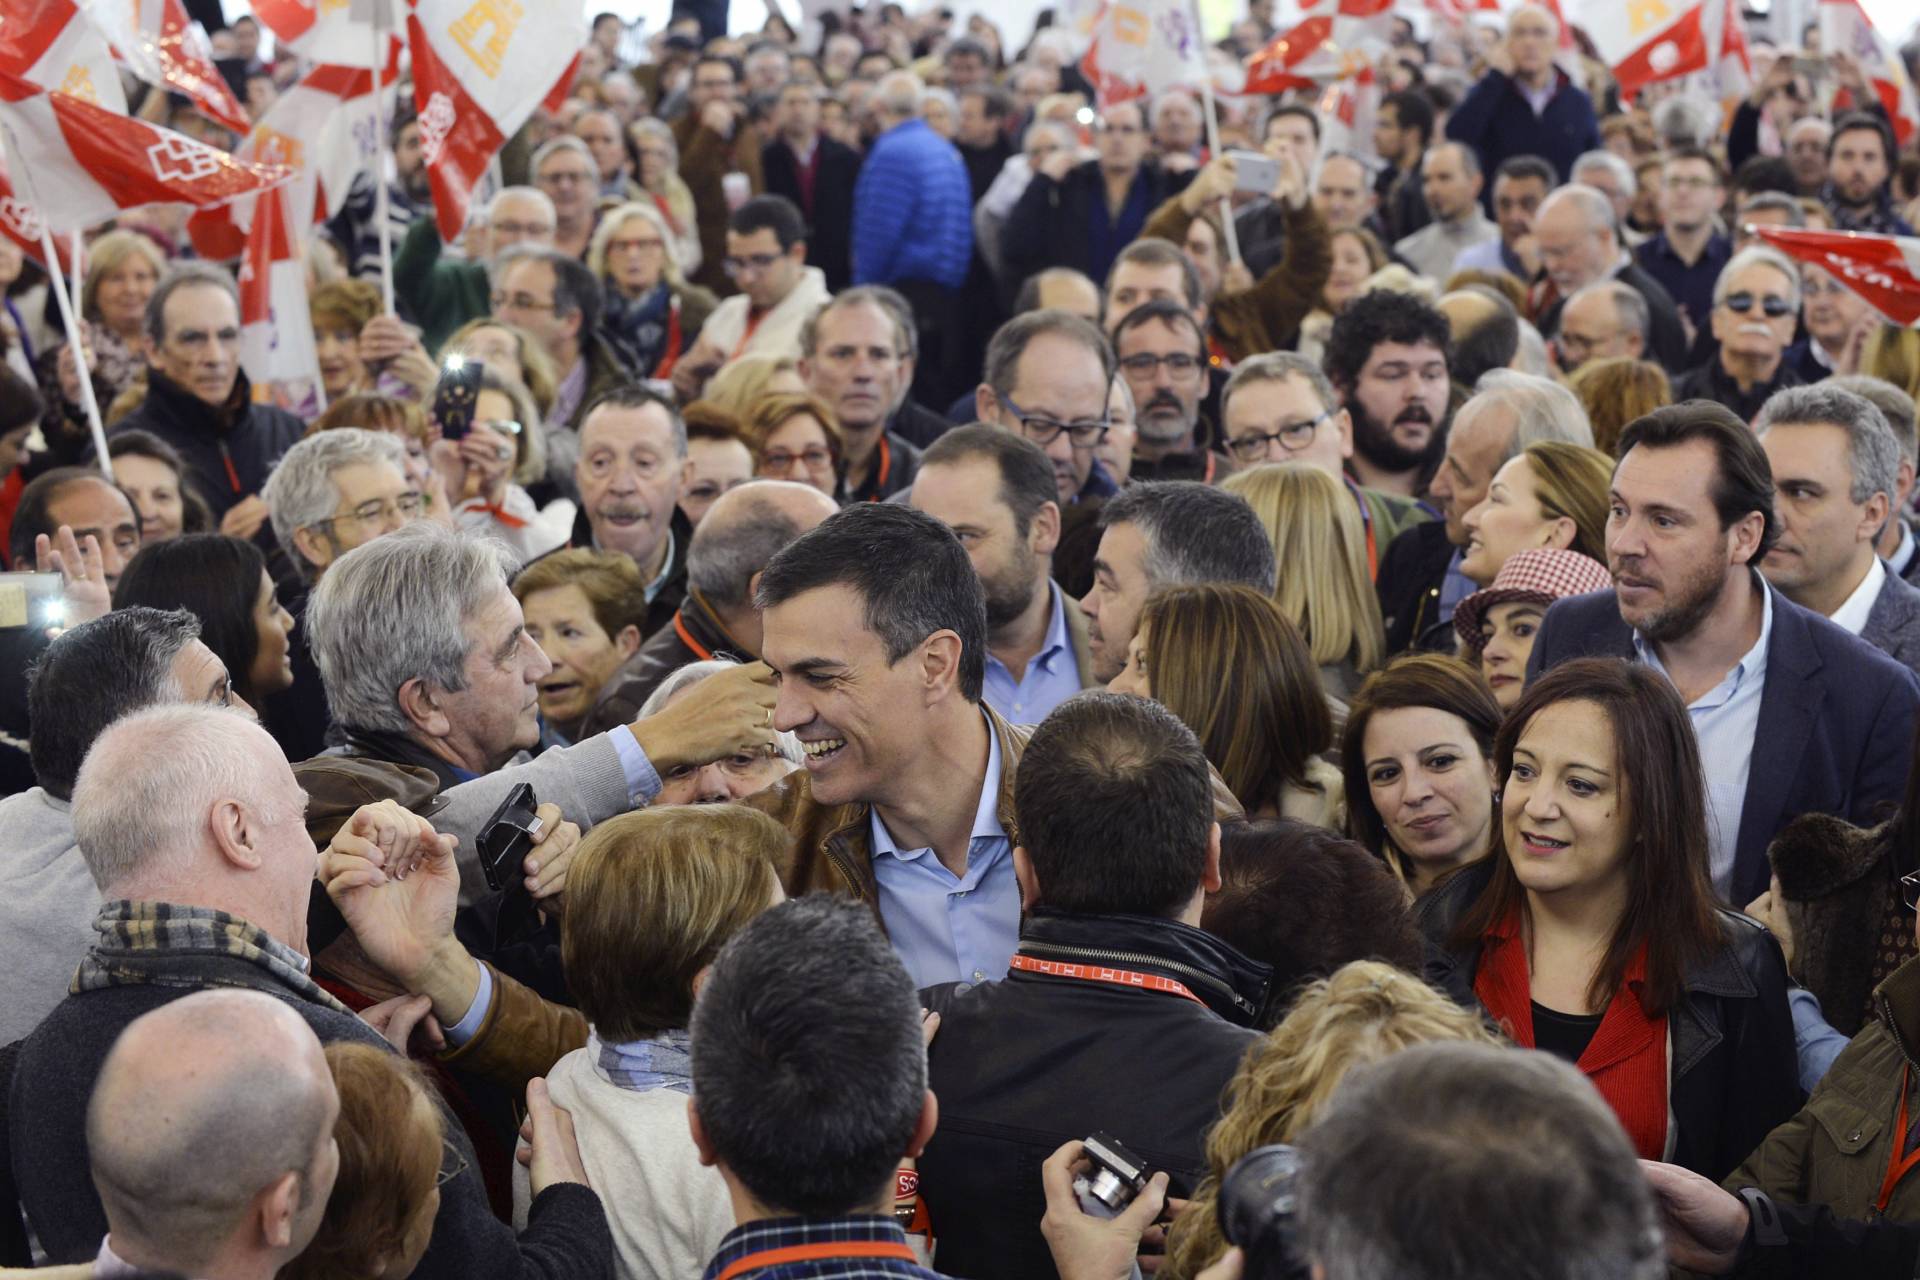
997,492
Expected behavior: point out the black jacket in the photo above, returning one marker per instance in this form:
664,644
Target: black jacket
1411,573
1666,336
1730,1042
1051,226
567,1236
1023,1065
1711,382
228,451
830,218
673,590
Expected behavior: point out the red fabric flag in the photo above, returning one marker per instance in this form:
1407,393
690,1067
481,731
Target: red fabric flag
1885,270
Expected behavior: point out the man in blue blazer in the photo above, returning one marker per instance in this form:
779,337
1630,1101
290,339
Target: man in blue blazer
1794,715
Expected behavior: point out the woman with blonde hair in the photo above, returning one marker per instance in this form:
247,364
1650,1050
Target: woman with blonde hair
1324,588
1551,494
1617,390
652,314
1228,663
507,348
123,269
743,381
797,437
1365,1012
656,167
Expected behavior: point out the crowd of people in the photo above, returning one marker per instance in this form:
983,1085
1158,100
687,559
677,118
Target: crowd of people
970,692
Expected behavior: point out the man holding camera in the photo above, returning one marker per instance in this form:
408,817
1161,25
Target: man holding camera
1119,1014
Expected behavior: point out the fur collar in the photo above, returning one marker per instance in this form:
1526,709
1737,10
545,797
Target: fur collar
1817,854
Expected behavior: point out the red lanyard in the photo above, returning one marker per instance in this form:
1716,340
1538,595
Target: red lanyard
753,322
1208,478
686,638
1373,553
1898,1166
886,465
1101,973
817,1253
671,356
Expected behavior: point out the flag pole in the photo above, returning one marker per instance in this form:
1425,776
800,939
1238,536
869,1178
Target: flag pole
57,282
1213,143
381,214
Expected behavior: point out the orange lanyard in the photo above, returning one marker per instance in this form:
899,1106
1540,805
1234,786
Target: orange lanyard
886,465
753,322
1373,552
686,638
671,356
1100,973
817,1253
1898,1166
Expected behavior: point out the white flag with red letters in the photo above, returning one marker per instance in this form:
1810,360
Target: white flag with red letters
79,164
51,44
276,328
480,68
1844,26
1144,46
164,48
1885,270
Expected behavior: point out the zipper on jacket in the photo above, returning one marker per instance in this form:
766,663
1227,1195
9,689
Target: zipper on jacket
1199,976
1886,1018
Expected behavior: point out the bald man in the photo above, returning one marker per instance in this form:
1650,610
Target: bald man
740,533
1580,246
1525,105
211,1138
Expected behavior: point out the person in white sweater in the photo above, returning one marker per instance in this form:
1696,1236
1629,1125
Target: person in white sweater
652,896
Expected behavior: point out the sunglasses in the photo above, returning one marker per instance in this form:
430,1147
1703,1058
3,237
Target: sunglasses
1773,305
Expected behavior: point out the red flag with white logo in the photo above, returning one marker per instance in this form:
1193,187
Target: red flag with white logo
1644,41
480,67
337,32
1885,270
51,44
164,48
79,164
20,224
1844,26
1323,48
276,328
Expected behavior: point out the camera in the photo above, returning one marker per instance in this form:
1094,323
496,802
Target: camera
1259,1211
456,396
1116,1178
507,837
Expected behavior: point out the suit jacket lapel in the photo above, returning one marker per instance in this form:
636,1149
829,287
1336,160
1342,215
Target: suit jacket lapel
1789,704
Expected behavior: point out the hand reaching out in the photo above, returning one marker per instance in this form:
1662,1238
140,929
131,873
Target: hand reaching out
546,865
83,572
394,880
245,517
547,1146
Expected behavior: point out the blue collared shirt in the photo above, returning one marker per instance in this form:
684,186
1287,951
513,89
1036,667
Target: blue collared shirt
949,928
1051,677
1456,586
1725,720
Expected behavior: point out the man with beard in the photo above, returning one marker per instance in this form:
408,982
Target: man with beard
1387,355
1794,714
1859,167
996,492
356,228
1162,354
1420,580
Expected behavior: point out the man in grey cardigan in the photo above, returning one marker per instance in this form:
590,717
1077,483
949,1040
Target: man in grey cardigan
88,678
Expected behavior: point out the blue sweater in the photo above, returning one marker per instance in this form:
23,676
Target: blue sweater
1496,120
912,210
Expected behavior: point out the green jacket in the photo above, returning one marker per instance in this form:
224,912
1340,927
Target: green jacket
438,292
1835,1151
1391,516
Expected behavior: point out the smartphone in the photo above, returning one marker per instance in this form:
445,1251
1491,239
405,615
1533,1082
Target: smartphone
505,840
1255,171
31,600
455,396
1813,66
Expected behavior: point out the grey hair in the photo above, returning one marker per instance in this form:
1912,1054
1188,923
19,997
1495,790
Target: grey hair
1166,99
1895,405
1629,304
1452,1159
1685,122
1469,158
1753,255
723,556
1592,201
1010,341
181,276
935,93
534,194
554,146
1873,451
1277,366
300,491
784,743
1531,356
94,674
906,338
395,610
1780,200
1538,9
1543,410
1061,133
899,93
1612,163
142,798
659,130
1194,534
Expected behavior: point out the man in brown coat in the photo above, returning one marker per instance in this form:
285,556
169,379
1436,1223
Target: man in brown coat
714,142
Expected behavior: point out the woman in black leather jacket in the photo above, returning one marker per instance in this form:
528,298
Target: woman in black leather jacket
1590,930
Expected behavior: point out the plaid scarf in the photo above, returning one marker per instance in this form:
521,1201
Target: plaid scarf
163,943
664,1062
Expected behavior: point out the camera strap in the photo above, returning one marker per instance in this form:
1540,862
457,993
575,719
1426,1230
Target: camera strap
1102,973
818,1253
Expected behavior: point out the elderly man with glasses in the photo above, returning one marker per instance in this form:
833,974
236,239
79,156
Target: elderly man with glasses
1756,301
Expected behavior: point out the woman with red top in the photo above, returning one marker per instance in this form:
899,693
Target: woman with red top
1591,931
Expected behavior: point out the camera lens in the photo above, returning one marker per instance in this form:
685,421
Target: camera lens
1259,1211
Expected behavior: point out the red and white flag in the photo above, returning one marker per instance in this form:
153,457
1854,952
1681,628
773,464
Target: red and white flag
276,328
1727,48
1347,112
479,70
51,44
1144,46
1644,41
1885,270
78,163
162,47
1323,48
1844,26
20,224
338,32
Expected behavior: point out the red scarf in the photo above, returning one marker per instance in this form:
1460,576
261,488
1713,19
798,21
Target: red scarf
1627,1058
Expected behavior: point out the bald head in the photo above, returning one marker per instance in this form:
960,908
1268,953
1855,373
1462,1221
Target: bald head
1575,231
210,1134
1467,309
743,530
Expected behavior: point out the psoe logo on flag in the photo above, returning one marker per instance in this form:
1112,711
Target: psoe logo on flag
435,123
496,18
274,147
78,83
19,218
179,159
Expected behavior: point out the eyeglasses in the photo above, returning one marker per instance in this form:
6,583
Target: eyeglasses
403,508
779,460
1182,366
1293,437
528,229
520,302
1773,304
1043,430
754,262
452,1163
636,246
1815,288
565,176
